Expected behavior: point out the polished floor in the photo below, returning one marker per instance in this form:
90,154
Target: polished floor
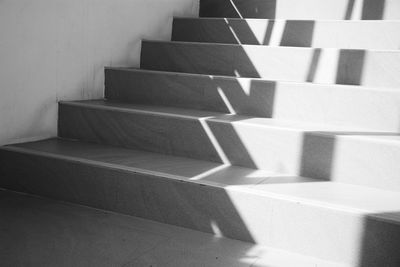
41,232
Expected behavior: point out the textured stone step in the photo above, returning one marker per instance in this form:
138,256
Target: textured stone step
374,109
337,222
375,68
300,33
336,153
88,237
304,9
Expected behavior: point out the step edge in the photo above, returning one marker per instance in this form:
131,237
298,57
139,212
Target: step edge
135,110
297,20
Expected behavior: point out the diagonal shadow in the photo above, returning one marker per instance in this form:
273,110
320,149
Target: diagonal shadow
238,8
373,9
350,66
297,33
182,203
318,152
380,240
349,9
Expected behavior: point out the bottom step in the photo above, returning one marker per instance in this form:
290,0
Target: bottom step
42,232
332,221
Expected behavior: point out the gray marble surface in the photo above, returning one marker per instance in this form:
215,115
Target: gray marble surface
238,203
40,232
320,151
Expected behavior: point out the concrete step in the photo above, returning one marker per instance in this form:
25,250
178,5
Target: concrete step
88,237
304,9
336,222
301,33
371,108
336,153
375,68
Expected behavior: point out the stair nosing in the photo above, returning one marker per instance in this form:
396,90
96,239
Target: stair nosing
137,110
300,20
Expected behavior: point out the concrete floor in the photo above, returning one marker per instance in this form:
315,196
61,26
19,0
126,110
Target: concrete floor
41,232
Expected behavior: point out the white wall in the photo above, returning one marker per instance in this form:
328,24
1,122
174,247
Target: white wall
56,50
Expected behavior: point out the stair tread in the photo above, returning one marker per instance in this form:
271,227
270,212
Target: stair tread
306,191
334,130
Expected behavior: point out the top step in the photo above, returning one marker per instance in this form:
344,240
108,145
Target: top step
304,9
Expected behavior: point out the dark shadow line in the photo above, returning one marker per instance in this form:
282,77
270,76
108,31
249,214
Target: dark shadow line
349,9
268,32
314,65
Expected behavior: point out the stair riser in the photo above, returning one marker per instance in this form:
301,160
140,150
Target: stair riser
167,135
321,34
326,233
282,150
354,160
325,104
305,9
329,66
150,88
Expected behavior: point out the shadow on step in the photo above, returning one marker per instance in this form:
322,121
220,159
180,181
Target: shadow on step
251,97
41,232
320,156
238,8
297,33
373,9
186,204
369,9
294,33
380,241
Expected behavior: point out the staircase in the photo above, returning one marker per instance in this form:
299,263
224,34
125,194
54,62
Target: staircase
279,125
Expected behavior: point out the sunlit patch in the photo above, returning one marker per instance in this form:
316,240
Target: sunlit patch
226,100
236,9
356,10
233,32
329,60
215,228
213,140
249,260
276,33
245,84
209,172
